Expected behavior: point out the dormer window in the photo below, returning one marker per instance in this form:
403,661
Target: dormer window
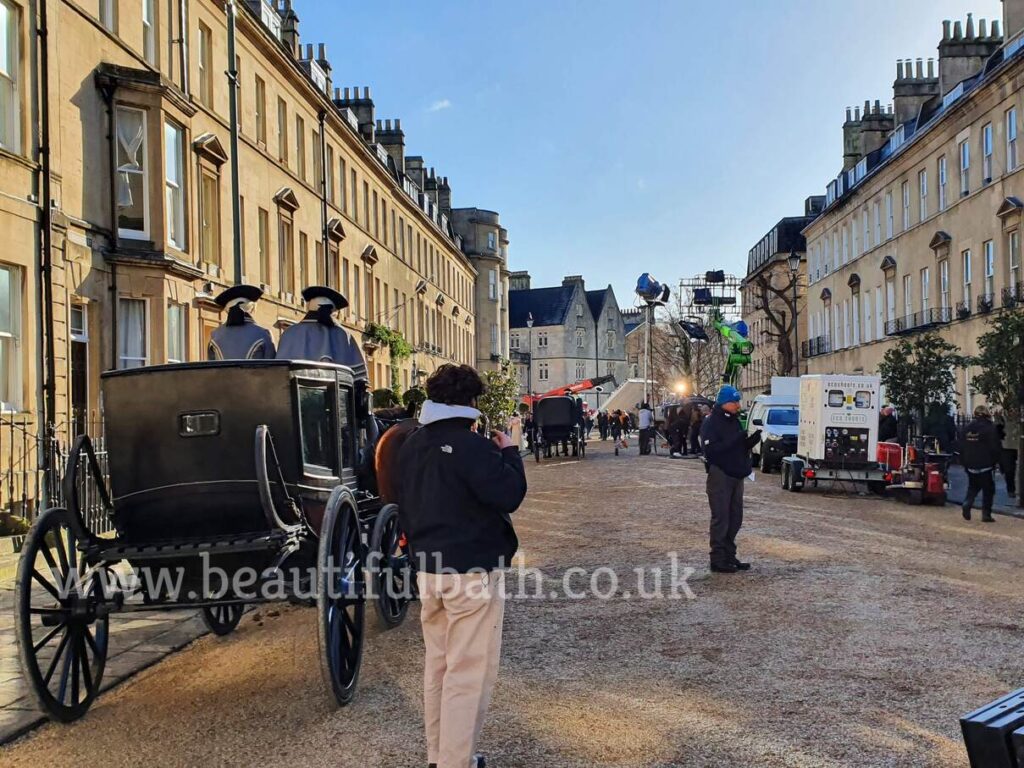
861,170
896,139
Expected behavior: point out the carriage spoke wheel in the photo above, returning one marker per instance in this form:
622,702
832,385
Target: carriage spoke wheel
392,571
341,596
222,619
60,619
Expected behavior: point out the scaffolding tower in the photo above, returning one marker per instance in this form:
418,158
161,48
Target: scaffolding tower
699,301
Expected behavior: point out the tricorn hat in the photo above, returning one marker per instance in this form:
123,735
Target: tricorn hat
236,292
323,292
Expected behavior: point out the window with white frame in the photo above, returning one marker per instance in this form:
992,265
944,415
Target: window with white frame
132,174
866,315
890,299
965,168
495,344
492,284
492,241
132,333
513,341
942,183
846,245
542,371
990,268
944,284
855,311
888,216
10,338
108,14
854,253
149,31
867,229
174,148
879,313
922,185
965,260
542,339
846,323
906,205
908,295
10,71
926,288
205,42
1014,254
986,153
177,333
878,223
1011,139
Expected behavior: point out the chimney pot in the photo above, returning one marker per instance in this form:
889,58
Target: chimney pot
878,107
856,114
346,93
958,30
996,30
849,114
899,69
919,69
398,124
970,26
931,69
322,52
337,94
309,50
983,29
366,92
945,29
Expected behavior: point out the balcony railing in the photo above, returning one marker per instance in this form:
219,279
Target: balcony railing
919,321
1013,295
963,309
986,303
819,345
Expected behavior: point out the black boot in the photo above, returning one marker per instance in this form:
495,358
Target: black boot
966,511
723,568
740,565
986,517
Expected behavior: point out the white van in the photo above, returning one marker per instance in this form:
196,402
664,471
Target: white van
778,418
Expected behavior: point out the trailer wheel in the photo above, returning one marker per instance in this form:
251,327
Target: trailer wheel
786,470
877,487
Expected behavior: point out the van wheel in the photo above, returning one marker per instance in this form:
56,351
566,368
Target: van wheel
786,476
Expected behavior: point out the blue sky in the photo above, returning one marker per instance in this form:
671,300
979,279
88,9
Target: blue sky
615,138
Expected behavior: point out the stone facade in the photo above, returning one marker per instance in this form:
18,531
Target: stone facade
922,228
577,334
770,258
485,242
141,200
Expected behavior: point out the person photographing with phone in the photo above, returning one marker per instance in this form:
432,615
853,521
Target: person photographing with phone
458,491
727,458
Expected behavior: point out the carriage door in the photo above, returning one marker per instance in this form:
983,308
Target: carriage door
317,425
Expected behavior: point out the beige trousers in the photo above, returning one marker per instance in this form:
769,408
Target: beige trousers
462,616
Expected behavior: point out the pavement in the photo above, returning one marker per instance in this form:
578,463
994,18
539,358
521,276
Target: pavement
137,641
863,633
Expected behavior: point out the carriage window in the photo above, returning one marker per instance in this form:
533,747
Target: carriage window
836,398
316,422
346,428
862,399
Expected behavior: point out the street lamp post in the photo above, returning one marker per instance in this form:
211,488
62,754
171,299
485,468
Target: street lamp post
529,361
794,268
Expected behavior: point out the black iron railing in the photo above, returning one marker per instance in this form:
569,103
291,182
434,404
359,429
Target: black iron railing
985,303
1013,295
33,462
919,321
819,345
963,309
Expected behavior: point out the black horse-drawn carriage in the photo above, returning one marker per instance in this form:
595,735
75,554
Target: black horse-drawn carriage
558,424
231,483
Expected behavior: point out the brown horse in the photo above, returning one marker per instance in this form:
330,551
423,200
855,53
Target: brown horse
386,458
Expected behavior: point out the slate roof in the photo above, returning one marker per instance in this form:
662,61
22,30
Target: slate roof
548,305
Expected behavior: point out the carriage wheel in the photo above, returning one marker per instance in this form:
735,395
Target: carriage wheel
222,619
341,596
392,569
60,621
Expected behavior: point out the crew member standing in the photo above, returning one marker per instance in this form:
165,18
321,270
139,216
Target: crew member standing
979,453
646,422
458,492
239,338
727,455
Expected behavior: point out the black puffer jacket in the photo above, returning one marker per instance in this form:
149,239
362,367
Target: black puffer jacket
726,446
980,447
458,490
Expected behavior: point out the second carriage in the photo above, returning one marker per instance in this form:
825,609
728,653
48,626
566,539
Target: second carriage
231,483
559,429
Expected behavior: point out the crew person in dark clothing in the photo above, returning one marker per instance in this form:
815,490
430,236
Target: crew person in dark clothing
458,492
602,424
727,454
979,454
887,426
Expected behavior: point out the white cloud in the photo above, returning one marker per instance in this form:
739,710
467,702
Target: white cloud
440,104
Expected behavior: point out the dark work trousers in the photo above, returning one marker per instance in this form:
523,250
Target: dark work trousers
984,483
695,439
678,440
1008,466
645,441
725,495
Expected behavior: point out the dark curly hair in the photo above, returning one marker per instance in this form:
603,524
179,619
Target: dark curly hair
454,385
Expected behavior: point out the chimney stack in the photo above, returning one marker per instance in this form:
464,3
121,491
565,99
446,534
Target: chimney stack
444,197
414,169
963,55
362,108
392,138
868,130
913,88
519,281
290,29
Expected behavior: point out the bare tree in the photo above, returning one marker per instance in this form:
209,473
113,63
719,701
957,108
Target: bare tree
773,292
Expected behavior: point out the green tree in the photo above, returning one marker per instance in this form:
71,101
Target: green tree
918,373
397,345
1001,361
501,394
414,396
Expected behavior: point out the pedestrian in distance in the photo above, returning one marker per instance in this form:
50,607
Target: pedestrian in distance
459,489
697,416
602,424
727,458
979,454
1009,434
645,421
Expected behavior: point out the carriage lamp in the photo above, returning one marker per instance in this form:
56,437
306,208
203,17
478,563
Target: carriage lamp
199,424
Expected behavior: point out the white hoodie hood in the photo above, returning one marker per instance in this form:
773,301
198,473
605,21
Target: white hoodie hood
432,412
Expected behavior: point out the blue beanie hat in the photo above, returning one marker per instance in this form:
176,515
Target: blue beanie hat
727,394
